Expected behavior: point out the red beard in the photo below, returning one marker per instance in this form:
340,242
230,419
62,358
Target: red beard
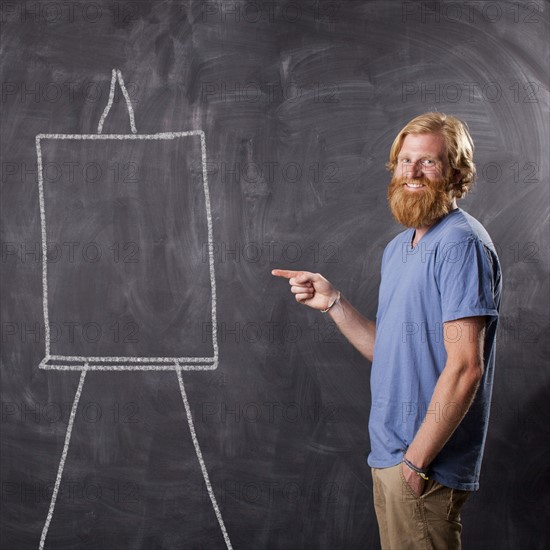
419,208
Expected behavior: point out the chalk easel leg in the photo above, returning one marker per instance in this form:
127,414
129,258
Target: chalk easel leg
201,461
63,458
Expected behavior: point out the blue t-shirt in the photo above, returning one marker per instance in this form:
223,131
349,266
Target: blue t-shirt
453,272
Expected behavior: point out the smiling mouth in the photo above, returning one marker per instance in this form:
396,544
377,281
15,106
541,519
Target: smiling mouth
413,185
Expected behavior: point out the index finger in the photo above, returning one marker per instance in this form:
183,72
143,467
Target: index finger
287,273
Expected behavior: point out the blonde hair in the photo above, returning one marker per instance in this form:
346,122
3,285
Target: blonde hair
460,147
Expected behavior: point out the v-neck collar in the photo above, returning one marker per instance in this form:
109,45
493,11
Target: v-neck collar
412,230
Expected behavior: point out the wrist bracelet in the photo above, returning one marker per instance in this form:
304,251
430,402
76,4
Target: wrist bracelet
333,303
418,471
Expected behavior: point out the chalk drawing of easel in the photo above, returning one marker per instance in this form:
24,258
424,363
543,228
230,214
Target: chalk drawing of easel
122,362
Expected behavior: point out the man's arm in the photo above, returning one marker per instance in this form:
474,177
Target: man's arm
454,392
313,290
360,332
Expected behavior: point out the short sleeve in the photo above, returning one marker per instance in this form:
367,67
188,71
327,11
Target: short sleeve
466,276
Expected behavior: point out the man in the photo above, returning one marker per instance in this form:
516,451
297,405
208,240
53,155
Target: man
432,345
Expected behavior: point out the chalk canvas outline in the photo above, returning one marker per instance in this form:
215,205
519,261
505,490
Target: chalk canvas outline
177,364
59,362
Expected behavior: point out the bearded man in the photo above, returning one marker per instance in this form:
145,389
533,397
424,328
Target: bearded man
432,345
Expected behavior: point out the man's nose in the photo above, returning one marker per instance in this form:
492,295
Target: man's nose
414,170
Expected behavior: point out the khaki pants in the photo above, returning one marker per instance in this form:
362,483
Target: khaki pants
407,522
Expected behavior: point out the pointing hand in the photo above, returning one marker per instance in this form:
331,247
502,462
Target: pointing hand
311,289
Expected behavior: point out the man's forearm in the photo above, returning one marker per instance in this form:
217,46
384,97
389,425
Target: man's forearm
360,332
453,394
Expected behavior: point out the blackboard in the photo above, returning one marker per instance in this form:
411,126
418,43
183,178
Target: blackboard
296,105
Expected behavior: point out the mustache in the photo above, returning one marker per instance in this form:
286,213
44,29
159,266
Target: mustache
402,181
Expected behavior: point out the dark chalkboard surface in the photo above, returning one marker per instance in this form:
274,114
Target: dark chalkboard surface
286,111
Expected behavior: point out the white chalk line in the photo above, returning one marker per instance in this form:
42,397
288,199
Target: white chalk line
109,103
44,246
128,102
62,461
59,362
200,459
122,359
210,242
115,368
116,75
159,135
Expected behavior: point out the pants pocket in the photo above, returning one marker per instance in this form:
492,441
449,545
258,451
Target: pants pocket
406,486
456,501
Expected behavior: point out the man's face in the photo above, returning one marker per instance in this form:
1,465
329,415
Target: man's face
419,190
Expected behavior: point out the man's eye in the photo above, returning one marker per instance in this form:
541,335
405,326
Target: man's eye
405,161
428,162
